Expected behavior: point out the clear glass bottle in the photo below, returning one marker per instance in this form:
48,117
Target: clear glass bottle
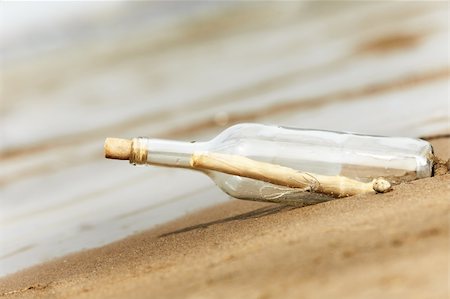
354,156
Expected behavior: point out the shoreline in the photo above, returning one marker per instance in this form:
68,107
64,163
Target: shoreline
368,246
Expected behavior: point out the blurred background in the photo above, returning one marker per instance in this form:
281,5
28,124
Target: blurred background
73,73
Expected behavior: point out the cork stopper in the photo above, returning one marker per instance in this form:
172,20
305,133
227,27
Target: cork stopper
117,148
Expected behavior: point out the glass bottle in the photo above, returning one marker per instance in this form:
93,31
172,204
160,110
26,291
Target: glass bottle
356,157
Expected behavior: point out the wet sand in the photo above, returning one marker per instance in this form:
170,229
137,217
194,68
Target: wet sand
186,71
393,245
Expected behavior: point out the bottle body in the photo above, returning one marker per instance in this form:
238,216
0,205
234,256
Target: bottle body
358,157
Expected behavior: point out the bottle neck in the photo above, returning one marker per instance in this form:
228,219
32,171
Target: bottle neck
164,152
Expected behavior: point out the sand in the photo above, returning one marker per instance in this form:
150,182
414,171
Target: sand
393,245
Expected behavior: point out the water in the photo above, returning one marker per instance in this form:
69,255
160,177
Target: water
186,73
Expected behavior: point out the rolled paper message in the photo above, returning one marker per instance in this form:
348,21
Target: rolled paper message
337,186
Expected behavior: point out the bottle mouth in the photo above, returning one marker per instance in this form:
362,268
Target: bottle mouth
138,154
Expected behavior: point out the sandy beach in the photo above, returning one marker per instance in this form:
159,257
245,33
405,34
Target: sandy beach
393,245
76,225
